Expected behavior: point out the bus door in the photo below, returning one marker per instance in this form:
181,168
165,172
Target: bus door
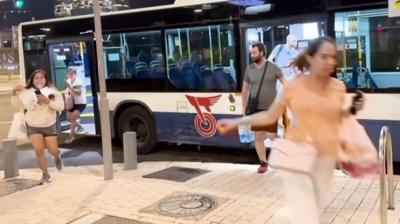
80,56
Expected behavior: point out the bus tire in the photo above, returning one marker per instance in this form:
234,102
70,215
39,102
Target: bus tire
140,121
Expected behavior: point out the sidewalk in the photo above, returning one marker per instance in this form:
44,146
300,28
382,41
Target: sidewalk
79,195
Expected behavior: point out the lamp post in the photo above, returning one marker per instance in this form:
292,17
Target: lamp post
104,110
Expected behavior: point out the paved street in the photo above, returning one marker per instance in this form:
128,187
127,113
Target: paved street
87,151
79,195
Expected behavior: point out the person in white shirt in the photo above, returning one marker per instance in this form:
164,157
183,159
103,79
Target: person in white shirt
283,55
77,90
41,101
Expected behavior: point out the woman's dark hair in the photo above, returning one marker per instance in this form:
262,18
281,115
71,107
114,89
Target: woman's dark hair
301,61
259,46
31,78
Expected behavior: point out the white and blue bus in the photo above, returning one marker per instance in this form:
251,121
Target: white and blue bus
173,70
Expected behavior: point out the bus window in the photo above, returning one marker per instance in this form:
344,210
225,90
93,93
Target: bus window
275,36
368,44
202,58
135,55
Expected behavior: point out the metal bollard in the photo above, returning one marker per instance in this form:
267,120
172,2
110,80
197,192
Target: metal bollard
10,158
130,151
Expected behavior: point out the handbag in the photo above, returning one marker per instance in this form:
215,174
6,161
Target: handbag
292,156
69,101
18,130
358,155
253,102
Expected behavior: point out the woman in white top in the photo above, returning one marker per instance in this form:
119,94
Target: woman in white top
41,101
77,90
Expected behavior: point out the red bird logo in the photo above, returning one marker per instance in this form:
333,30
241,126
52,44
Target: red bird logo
205,123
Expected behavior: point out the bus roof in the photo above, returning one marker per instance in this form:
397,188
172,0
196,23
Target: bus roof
176,4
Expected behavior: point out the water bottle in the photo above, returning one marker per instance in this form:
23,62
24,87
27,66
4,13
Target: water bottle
245,134
250,136
242,134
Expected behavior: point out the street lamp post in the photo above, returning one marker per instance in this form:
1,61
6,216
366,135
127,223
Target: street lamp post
104,110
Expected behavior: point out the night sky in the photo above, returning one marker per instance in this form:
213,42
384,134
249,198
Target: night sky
44,9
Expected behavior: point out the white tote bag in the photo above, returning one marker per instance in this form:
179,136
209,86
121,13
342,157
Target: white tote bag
292,156
357,146
18,129
358,156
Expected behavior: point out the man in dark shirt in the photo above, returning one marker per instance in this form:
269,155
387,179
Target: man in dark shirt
251,84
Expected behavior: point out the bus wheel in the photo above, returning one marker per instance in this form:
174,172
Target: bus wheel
138,120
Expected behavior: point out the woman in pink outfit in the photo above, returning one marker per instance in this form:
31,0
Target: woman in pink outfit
317,104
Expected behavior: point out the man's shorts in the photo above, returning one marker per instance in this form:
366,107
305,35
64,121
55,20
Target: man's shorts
273,128
46,131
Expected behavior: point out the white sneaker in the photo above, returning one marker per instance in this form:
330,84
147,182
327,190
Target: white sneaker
81,130
69,140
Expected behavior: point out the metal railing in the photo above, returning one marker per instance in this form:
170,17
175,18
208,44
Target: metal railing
386,167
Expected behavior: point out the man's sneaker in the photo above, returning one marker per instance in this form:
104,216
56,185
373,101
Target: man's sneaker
69,140
59,163
263,168
46,178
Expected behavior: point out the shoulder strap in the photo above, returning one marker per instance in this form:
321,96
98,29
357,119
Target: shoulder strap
262,80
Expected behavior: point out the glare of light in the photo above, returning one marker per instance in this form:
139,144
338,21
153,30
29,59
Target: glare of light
254,10
198,10
310,31
45,29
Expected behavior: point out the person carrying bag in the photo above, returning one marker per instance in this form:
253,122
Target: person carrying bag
313,144
40,102
258,93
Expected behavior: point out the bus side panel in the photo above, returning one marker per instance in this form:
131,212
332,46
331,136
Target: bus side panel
373,128
180,127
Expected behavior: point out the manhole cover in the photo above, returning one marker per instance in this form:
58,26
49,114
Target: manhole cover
14,185
175,173
186,205
191,206
117,220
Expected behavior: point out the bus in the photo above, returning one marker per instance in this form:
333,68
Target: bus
173,70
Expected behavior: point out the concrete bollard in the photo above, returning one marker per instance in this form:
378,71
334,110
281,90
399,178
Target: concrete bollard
130,151
10,158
